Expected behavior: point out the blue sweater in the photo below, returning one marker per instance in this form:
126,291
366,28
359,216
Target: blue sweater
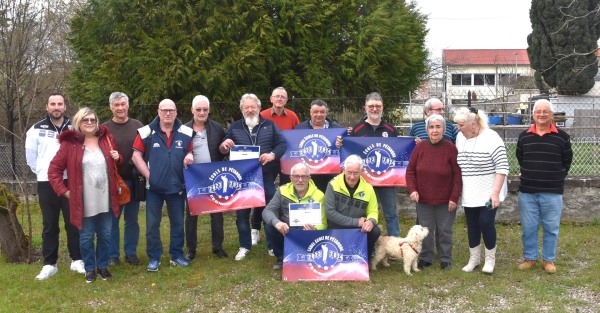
266,135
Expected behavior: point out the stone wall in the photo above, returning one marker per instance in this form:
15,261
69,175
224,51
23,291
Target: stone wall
581,200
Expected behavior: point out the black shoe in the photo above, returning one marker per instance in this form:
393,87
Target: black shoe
114,262
90,276
220,253
132,259
104,274
190,255
278,265
423,264
445,265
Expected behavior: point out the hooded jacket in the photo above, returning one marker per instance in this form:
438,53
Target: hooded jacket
70,157
278,208
344,211
41,145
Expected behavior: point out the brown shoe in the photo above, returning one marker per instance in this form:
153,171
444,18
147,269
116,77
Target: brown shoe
549,267
527,264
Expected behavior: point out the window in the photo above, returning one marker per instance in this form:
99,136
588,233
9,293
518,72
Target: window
461,79
484,79
507,79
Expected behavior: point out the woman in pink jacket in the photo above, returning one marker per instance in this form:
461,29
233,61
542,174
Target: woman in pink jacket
92,191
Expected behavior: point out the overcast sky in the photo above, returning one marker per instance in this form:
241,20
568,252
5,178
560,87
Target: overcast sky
476,24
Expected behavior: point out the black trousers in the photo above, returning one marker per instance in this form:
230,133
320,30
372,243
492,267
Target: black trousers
191,230
51,205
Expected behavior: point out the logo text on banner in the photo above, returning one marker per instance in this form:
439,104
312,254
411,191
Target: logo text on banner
333,254
224,186
315,147
385,159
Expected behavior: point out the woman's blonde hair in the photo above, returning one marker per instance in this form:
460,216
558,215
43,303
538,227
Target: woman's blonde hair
471,115
80,115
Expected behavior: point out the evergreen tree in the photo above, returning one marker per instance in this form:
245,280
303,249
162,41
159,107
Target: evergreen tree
154,49
563,43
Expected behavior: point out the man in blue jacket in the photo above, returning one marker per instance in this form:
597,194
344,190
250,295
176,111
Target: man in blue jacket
170,149
254,130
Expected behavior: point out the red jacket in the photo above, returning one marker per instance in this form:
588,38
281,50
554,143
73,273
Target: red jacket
70,157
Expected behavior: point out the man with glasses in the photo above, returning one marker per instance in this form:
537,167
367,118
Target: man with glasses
41,145
254,130
374,126
433,106
170,150
350,202
208,135
277,213
124,130
545,155
285,120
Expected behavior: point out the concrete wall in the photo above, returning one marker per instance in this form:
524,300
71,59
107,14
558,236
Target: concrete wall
581,200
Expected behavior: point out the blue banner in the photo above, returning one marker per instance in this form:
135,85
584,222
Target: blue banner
224,186
385,158
315,147
333,254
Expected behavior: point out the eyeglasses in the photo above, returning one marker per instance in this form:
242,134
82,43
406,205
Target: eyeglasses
279,97
538,112
167,111
201,110
304,177
352,173
374,106
88,121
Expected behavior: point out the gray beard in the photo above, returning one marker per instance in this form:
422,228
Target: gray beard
251,121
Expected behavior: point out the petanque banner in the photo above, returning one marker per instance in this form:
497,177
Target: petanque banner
385,158
315,147
333,254
224,186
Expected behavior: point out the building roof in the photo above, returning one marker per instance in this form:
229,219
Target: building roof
485,56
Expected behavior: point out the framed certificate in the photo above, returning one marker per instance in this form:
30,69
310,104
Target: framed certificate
305,213
244,153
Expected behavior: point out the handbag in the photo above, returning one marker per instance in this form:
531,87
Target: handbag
139,181
124,194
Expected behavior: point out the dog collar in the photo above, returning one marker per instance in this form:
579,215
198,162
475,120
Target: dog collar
411,246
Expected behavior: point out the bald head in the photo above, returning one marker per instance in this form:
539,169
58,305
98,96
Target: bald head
433,106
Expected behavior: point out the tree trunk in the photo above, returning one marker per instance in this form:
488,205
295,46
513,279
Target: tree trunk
13,243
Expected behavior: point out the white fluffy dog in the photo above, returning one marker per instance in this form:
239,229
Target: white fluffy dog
406,249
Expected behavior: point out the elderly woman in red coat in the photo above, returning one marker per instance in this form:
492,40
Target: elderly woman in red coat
92,191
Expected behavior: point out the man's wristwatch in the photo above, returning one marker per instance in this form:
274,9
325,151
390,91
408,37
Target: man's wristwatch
373,221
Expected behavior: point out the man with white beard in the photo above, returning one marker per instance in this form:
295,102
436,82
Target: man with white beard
254,130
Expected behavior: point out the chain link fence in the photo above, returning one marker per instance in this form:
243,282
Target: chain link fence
509,115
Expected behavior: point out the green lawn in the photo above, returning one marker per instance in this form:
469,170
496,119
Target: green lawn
214,285
586,158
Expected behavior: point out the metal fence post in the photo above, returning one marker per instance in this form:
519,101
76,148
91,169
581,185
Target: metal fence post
11,128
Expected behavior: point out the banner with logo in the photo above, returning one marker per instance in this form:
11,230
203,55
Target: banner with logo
315,147
224,186
385,159
333,254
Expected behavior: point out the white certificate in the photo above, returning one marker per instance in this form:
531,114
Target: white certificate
305,213
244,153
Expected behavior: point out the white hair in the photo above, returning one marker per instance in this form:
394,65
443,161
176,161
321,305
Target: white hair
435,118
353,159
298,166
543,101
471,115
198,99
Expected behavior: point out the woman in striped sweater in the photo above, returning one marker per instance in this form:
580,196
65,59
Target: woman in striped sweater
484,166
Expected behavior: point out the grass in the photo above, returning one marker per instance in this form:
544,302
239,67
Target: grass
584,159
215,285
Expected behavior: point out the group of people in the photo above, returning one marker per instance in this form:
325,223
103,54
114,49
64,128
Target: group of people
472,164
76,162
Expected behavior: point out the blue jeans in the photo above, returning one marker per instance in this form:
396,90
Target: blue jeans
536,208
242,221
269,184
154,203
386,196
131,235
481,223
100,226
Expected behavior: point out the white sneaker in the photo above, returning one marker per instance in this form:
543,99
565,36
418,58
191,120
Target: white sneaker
255,236
271,253
47,272
242,254
78,266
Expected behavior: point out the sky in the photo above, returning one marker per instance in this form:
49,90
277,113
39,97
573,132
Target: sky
476,24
